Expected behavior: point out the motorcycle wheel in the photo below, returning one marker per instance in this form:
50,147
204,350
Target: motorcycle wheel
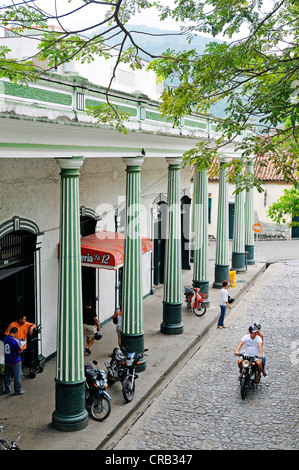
128,388
200,310
100,409
243,385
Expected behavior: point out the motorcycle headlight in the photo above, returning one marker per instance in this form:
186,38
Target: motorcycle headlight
245,363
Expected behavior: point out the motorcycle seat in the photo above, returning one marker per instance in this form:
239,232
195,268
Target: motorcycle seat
189,290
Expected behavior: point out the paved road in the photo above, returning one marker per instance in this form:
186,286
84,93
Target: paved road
202,408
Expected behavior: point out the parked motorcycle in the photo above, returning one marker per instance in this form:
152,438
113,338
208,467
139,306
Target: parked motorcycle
122,368
195,300
95,392
115,368
4,444
128,386
248,374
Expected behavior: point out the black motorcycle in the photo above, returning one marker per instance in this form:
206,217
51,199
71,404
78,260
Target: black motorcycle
116,366
96,396
128,386
4,444
122,368
249,373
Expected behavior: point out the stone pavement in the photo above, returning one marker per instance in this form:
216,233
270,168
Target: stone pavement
31,414
201,408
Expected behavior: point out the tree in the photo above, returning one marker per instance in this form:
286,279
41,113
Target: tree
106,34
286,209
256,70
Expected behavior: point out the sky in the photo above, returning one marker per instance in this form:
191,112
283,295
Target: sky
91,14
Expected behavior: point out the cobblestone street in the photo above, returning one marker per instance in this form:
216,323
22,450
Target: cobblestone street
202,407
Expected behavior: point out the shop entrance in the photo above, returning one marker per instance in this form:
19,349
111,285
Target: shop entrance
17,284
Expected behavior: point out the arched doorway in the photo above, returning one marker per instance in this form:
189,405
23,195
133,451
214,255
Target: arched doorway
19,287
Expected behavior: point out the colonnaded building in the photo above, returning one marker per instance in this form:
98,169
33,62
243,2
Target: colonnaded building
91,213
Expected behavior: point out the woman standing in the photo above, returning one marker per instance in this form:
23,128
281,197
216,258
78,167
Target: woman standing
223,302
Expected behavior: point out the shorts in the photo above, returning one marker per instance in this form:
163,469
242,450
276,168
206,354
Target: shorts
118,329
89,330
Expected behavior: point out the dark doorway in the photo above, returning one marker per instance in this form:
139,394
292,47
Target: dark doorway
88,227
295,229
159,243
231,214
17,290
185,229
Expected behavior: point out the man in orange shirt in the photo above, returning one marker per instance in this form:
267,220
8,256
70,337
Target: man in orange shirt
24,328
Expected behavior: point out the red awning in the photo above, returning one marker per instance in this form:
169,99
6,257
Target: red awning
105,249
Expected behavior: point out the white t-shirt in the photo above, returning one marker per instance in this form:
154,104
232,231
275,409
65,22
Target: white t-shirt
223,297
251,345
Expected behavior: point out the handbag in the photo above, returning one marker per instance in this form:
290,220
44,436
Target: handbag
114,320
230,299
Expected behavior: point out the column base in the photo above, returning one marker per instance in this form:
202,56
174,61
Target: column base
238,262
250,254
70,413
221,274
172,319
134,343
204,289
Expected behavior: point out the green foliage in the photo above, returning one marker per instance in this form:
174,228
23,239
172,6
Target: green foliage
256,70
286,208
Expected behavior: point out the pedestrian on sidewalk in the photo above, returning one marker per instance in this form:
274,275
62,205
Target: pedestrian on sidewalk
24,328
223,303
13,362
116,317
90,324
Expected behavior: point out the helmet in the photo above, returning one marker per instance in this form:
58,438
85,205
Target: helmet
253,329
98,335
258,325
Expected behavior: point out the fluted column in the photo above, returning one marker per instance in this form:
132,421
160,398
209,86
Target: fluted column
172,300
70,413
132,299
200,226
249,218
222,236
238,250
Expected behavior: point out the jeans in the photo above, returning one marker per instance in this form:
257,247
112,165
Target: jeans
222,314
14,371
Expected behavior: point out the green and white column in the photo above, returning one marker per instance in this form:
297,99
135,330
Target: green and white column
70,413
238,249
249,218
201,236
222,236
132,299
172,298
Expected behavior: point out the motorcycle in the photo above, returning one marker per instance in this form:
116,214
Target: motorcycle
96,396
115,368
195,300
5,444
122,368
248,374
132,360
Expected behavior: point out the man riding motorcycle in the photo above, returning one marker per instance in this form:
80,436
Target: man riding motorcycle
253,347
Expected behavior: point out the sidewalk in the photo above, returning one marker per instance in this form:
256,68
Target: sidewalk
31,414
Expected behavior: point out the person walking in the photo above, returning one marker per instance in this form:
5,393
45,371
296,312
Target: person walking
90,323
117,321
13,363
223,303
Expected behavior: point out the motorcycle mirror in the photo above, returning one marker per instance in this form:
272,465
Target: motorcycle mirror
95,362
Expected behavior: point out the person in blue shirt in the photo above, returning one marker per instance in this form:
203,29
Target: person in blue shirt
13,363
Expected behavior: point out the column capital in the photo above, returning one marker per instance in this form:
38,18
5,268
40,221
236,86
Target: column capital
133,161
72,163
174,160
